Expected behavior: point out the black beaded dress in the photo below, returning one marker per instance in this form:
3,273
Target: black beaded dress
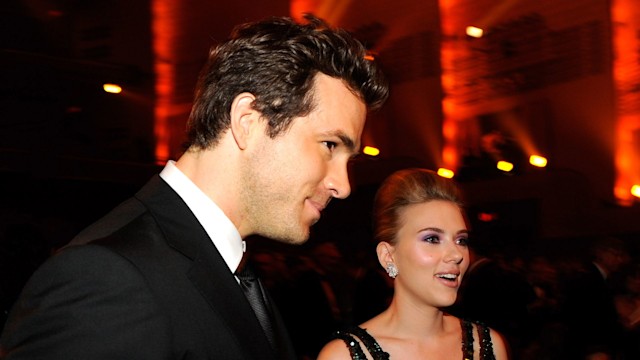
357,353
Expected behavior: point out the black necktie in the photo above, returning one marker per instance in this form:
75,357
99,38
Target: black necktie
256,295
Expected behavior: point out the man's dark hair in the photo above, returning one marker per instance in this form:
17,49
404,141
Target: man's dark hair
277,60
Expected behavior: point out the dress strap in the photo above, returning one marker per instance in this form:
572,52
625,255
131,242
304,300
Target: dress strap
370,343
349,337
486,346
467,339
352,344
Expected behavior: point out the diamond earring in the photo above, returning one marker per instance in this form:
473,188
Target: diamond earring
392,270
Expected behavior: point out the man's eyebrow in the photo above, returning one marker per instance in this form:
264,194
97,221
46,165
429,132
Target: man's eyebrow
347,141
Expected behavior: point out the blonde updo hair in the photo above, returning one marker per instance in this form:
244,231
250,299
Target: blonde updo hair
407,187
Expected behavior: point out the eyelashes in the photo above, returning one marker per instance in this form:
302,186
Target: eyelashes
431,238
435,239
464,240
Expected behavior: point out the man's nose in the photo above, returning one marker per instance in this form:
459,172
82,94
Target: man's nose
337,181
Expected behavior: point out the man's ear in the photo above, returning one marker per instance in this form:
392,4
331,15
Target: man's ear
244,119
385,253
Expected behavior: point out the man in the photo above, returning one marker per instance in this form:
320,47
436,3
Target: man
594,330
278,113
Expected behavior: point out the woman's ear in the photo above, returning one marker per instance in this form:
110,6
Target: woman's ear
244,119
385,253
385,257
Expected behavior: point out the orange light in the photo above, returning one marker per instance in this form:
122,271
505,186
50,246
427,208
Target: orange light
538,161
504,166
626,14
112,88
635,191
371,151
165,32
445,173
369,57
475,32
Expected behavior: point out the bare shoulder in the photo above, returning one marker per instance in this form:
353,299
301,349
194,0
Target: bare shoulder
499,345
334,350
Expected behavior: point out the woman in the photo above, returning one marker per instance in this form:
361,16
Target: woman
423,240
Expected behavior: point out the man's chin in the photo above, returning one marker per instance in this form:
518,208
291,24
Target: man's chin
298,238
298,241
293,241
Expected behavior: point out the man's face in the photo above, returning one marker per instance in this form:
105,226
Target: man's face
614,259
289,180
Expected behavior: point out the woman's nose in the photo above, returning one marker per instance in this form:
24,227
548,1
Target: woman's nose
454,254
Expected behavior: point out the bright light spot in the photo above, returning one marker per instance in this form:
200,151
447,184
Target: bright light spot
369,57
505,166
112,88
371,151
487,217
445,173
538,161
635,191
474,32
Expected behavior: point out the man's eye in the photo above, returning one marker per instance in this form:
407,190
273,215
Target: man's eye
330,144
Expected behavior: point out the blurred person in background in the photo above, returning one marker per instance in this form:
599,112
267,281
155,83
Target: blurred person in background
627,301
547,328
594,329
496,292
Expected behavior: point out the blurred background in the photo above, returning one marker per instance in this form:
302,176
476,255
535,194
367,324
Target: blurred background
556,79
473,82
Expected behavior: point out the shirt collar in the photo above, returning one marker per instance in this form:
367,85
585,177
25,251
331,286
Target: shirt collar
221,231
602,271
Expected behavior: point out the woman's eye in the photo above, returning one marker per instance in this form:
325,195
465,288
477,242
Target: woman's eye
432,239
463,241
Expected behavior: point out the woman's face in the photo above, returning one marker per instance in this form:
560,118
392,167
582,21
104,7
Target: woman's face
431,252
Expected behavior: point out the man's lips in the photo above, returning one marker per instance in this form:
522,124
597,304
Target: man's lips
318,205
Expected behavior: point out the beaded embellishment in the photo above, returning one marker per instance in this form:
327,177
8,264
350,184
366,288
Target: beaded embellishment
354,346
357,353
467,340
486,346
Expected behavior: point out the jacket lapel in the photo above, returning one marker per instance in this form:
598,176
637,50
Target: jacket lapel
209,273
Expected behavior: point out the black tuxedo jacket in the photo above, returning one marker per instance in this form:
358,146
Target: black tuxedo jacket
144,282
592,320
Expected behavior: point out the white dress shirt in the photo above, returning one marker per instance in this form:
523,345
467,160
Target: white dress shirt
220,229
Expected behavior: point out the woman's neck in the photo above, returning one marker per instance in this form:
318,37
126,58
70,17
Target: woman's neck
412,319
